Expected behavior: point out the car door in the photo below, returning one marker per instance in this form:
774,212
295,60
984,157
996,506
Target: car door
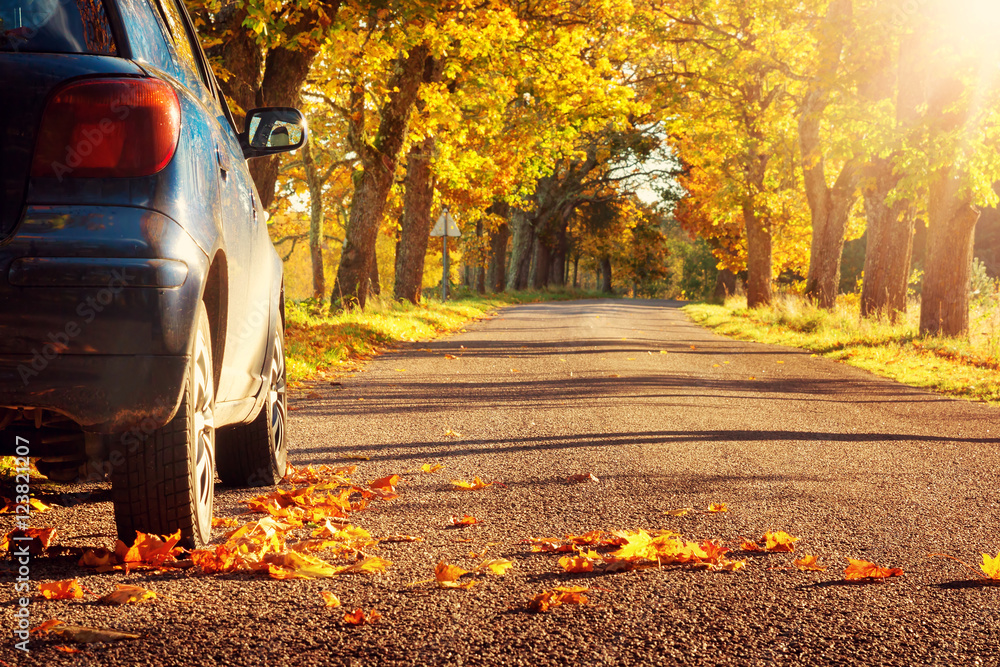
248,300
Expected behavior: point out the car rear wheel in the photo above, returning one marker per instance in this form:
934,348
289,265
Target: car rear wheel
255,454
165,480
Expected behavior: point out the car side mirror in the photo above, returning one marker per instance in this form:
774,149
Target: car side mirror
272,130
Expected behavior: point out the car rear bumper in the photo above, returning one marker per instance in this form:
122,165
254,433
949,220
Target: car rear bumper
102,393
96,310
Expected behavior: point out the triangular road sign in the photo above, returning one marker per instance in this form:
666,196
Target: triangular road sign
446,226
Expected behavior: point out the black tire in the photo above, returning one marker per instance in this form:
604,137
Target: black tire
255,454
165,480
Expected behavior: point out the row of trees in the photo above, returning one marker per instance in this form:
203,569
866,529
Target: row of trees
792,125
889,111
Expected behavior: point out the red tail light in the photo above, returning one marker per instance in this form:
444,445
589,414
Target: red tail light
98,128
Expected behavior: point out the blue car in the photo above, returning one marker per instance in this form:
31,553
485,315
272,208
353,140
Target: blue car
141,304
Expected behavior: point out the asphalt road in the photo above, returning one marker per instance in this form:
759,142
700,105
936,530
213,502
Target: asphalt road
666,415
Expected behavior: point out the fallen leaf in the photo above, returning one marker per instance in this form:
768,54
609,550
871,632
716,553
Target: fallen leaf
46,626
126,594
559,596
991,566
576,564
68,649
447,576
148,550
387,483
99,558
463,521
450,356
779,541
452,434
862,569
747,545
809,564
475,485
38,539
497,566
428,468
718,507
82,633
582,477
678,512
357,617
67,589
227,522
329,599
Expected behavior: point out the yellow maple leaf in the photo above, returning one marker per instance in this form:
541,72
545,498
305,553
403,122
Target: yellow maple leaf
779,541
428,468
991,566
809,564
496,566
447,576
126,594
475,485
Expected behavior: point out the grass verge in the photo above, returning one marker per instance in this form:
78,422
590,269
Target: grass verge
318,343
958,368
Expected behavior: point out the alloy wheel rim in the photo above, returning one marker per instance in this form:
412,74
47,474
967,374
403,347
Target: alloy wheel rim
204,430
276,397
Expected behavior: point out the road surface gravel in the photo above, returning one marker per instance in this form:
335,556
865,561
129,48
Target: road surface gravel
667,416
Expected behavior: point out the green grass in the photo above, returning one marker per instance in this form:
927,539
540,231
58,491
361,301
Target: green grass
318,343
960,368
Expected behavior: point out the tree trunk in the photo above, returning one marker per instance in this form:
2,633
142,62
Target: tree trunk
606,275
557,269
829,207
540,267
315,222
758,258
889,245
576,270
375,285
944,302
415,226
725,285
496,276
373,183
520,251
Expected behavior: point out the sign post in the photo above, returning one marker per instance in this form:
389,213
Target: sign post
444,228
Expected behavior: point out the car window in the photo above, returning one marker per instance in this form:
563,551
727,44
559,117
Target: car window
56,26
192,73
147,34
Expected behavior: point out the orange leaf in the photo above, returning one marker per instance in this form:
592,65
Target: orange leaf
357,617
808,563
67,589
447,576
582,477
329,599
576,564
387,483
559,596
148,550
39,539
428,468
464,521
718,507
46,626
69,649
779,541
747,545
862,569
